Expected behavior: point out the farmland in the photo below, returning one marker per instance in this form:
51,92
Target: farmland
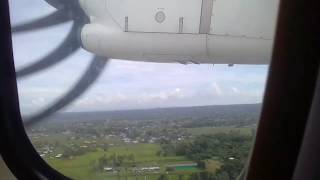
79,167
206,143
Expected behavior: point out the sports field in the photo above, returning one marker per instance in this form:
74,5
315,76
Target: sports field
81,167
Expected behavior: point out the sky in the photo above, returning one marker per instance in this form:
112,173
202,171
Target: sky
123,84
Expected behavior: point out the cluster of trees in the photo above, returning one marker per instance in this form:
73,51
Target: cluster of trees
163,177
204,175
220,123
115,161
231,149
75,151
222,145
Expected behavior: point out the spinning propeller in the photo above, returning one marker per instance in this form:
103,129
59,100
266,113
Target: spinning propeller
66,10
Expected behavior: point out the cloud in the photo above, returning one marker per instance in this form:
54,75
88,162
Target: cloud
124,84
160,96
216,89
235,90
160,87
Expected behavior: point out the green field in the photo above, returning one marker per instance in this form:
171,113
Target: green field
189,143
80,167
186,168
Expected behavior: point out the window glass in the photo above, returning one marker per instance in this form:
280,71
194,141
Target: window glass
180,99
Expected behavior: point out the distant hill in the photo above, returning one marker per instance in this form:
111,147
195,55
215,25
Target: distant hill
216,112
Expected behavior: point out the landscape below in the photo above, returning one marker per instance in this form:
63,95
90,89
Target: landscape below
187,143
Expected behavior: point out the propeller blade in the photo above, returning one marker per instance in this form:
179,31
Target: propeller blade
57,17
67,47
88,78
59,4
55,3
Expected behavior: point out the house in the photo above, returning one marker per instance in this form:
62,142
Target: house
145,169
108,169
58,156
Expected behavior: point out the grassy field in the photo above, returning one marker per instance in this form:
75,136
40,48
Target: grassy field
80,167
212,165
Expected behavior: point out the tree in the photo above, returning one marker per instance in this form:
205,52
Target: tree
158,153
180,177
102,162
131,157
163,177
105,147
222,176
230,148
230,169
169,169
201,164
202,176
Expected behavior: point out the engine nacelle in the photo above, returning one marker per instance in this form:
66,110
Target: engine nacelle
185,31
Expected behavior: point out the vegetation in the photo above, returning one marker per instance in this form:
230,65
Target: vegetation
230,149
200,143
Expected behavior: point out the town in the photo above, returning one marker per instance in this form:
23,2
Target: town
155,144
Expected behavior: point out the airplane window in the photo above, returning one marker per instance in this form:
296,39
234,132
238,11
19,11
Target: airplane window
143,89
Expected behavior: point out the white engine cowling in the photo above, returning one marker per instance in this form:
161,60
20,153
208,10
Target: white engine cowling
116,32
